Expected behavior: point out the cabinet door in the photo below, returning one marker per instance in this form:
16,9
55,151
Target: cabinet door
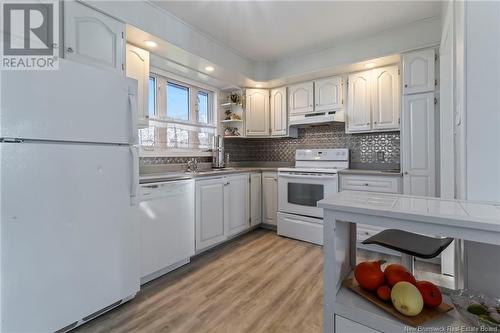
359,103
255,199
269,197
385,98
279,115
418,140
236,204
418,71
209,213
92,37
257,112
328,94
300,98
138,69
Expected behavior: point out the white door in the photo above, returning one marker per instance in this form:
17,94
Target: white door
255,199
359,103
328,94
418,145
269,197
92,37
138,69
75,103
279,114
300,98
386,98
236,204
209,212
418,71
70,242
257,112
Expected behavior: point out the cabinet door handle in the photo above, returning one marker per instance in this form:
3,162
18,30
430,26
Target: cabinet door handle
406,172
367,123
406,86
69,50
374,122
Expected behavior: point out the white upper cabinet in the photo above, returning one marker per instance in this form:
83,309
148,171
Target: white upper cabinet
279,116
418,71
257,112
93,38
138,69
300,98
359,103
418,144
386,98
328,94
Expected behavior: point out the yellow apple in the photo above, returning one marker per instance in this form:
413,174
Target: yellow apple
407,299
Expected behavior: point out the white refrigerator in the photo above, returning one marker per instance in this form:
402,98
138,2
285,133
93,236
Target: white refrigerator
69,183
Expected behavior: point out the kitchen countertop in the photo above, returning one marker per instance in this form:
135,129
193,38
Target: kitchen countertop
170,176
371,172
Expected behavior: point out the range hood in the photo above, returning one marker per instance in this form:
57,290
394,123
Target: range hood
314,118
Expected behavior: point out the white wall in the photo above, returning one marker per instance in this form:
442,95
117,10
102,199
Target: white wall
483,97
482,132
392,41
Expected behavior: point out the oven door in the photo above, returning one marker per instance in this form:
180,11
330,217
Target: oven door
299,193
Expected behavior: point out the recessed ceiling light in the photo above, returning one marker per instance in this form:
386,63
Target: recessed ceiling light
258,85
150,43
209,68
370,65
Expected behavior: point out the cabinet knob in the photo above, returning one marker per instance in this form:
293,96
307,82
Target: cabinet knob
69,50
310,105
406,172
366,184
406,86
374,122
368,124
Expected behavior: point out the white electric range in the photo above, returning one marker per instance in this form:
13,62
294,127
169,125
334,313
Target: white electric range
313,178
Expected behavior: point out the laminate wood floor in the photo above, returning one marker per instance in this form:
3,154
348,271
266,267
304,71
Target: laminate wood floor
257,283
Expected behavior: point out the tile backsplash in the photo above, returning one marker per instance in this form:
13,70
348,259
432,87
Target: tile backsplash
367,148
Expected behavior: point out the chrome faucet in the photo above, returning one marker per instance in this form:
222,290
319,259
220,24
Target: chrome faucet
192,165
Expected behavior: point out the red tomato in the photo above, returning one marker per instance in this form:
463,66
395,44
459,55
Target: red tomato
430,293
395,267
369,275
397,275
384,293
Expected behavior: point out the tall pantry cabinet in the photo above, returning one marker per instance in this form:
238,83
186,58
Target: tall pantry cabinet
418,138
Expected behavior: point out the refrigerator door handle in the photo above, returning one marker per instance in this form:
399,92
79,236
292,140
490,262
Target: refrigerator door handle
134,188
133,118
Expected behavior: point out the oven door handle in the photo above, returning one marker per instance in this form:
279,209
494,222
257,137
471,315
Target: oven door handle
287,175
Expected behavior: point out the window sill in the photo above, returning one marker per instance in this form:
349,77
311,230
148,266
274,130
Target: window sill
174,153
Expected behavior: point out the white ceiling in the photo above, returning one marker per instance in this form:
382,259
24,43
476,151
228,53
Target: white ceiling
272,30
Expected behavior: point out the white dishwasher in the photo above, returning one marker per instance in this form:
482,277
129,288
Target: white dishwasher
166,227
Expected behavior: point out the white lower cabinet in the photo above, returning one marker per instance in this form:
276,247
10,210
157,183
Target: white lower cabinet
344,325
236,202
269,197
255,199
371,183
222,209
210,212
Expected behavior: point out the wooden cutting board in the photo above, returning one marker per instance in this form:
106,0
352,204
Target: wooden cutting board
426,315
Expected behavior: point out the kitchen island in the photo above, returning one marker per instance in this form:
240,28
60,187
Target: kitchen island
344,311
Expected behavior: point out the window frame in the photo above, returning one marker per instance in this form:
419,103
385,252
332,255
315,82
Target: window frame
161,113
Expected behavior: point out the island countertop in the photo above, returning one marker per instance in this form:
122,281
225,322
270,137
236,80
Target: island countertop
453,213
